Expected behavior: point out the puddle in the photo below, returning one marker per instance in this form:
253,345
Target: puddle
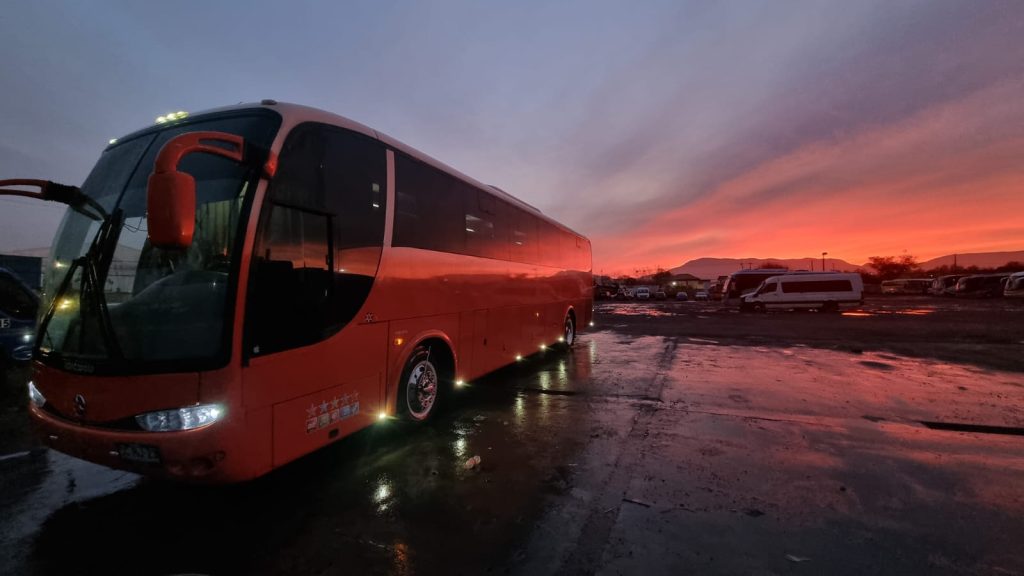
627,310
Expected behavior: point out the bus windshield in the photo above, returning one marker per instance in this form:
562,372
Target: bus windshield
110,298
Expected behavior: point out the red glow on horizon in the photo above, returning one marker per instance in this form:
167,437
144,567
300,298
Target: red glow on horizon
948,180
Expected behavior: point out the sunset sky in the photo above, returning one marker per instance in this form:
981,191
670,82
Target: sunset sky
664,131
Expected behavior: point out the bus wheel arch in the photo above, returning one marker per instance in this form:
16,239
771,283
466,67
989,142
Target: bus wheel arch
426,379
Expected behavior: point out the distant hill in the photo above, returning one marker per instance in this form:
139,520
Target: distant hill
979,259
712,268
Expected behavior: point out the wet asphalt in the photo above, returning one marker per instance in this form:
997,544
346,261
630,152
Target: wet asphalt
674,438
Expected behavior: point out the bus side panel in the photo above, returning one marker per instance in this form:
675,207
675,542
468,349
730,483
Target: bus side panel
465,345
350,363
481,349
356,352
304,424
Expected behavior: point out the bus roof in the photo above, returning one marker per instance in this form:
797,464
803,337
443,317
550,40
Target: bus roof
294,114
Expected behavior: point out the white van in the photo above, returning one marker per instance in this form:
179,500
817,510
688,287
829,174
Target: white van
643,293
826,292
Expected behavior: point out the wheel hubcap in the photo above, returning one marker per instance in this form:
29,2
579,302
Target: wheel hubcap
421,389
569,332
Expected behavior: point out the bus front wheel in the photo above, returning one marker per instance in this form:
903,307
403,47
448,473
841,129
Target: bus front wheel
421,386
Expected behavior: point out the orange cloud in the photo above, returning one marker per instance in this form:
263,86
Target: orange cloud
947,179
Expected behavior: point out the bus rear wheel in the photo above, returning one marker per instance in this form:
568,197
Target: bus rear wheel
569,332
421,386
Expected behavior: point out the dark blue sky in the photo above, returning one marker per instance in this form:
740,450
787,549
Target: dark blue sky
664,130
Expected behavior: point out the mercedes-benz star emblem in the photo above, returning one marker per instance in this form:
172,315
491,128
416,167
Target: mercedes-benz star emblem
79,404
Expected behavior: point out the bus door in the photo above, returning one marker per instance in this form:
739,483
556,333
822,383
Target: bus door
316,351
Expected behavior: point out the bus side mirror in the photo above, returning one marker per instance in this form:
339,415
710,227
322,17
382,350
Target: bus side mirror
171,195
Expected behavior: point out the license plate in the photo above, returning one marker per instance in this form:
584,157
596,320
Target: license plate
139,453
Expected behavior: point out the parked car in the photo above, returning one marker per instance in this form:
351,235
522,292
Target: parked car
682,296
18,307
643,293
827,292
701,295
660,295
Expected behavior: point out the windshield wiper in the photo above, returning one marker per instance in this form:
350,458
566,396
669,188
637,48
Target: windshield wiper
94,264
54,192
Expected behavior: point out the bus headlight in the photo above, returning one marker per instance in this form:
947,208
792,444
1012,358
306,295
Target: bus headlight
35,396
180,419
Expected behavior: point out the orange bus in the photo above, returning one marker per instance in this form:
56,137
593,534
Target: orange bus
231,290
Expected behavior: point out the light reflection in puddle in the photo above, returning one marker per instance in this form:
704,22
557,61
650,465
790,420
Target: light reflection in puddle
545,380
519,409
639,311
459,447
382,493
907,312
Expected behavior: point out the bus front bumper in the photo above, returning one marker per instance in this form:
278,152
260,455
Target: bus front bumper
190,455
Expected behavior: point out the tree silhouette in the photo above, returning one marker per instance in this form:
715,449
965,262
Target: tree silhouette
662,276
889,267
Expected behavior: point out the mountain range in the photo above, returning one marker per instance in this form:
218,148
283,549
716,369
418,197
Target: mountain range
712,268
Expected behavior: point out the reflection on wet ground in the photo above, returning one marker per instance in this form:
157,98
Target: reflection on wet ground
629,454
904,312
642,309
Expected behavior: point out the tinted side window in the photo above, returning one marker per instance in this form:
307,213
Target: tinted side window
487,227
817,286
429,210
549,244
524,237
290,297
355,180
320,238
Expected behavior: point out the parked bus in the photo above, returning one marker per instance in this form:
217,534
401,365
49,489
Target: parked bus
297,277
945,285
981,286
827,292
907,286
